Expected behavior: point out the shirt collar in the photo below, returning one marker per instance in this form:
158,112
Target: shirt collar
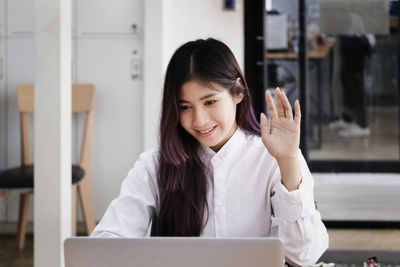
227,149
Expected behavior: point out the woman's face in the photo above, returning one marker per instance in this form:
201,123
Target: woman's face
208,114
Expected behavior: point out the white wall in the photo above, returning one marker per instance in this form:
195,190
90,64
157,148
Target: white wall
188,20
180,21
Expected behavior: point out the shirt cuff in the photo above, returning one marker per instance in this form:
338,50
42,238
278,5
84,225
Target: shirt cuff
291,206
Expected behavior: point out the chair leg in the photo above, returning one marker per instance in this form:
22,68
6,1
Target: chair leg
73,209
85,196
22,219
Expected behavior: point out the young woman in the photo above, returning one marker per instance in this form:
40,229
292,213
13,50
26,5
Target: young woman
217,171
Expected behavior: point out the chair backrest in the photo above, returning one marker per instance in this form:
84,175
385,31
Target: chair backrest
82,98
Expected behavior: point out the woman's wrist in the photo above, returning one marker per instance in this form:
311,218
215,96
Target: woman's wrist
290,172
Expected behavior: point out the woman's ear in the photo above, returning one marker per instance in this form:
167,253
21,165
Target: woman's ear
239,83
238,97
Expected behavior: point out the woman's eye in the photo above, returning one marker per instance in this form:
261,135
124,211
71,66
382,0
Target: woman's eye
184,108
210,102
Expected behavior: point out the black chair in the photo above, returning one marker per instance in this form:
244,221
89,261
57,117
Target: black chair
21,177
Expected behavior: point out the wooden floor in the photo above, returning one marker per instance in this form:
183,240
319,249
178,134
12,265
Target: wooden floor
388,240
381,144
352,239
10,256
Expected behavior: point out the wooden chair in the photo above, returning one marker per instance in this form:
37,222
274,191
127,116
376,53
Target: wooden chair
22,177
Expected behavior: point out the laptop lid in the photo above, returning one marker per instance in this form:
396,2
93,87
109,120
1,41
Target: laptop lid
173,252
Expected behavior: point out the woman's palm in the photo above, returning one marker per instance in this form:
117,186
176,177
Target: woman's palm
282,137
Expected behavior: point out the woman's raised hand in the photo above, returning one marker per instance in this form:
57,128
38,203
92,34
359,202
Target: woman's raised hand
282,137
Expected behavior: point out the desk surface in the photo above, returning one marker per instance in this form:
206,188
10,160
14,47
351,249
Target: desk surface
317,53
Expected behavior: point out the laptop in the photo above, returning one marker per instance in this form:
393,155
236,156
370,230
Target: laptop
173,252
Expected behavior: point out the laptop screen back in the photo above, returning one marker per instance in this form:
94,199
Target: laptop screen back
173,252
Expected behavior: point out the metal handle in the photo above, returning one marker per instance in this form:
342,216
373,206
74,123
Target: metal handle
136,69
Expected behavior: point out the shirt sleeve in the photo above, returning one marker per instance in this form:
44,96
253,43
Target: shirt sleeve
296,221
129,215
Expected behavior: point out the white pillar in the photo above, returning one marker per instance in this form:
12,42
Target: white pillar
52,142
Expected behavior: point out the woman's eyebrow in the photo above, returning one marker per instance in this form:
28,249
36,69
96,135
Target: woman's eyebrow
202,98
208,95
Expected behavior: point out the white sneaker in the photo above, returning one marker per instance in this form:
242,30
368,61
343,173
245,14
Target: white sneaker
339,124
354,131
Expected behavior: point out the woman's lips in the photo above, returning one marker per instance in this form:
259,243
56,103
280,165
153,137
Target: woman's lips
206,132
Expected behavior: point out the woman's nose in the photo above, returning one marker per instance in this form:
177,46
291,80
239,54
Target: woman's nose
200,118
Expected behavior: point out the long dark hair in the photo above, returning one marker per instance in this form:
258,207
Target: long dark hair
182,176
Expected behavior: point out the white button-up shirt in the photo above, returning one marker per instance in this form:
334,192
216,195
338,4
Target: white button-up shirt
246,199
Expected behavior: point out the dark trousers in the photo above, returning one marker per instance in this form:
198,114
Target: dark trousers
354,49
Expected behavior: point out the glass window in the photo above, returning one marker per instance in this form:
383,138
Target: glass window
353,78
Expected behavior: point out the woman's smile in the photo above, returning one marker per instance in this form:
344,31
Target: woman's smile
207,132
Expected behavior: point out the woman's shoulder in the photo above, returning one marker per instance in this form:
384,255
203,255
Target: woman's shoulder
252,145
150,153
143,174
149,158
252,139
144,168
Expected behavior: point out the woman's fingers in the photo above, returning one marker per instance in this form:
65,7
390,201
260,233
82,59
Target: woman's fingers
264,125
279,103
270,105
286,106
297,112
283,108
